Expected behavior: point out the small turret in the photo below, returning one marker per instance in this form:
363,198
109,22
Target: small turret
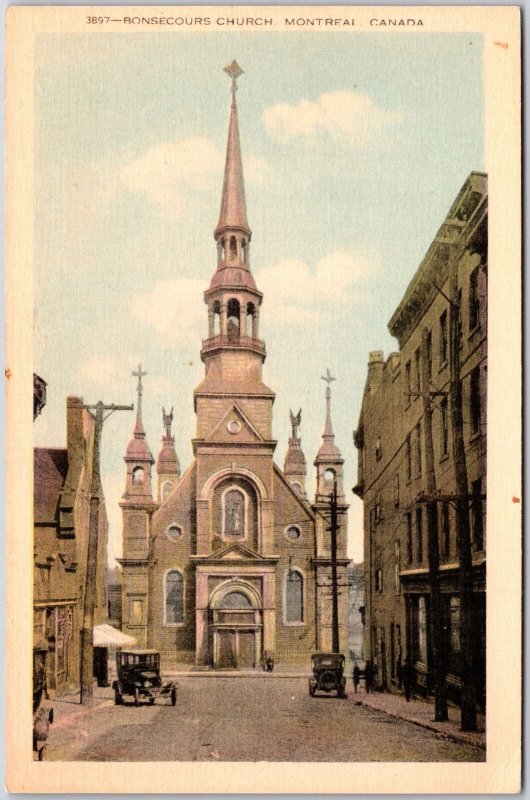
167,466
295,465
329,461
138,457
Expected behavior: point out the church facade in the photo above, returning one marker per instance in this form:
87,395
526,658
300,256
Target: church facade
230,558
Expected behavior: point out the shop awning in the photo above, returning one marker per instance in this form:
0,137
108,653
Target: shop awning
107,636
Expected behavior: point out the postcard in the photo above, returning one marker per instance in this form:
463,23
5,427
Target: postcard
263,277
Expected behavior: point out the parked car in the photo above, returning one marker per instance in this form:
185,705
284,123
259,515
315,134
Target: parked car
139,676
328,674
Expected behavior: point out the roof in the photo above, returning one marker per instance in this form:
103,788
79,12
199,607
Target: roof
233,213
236,278
50,466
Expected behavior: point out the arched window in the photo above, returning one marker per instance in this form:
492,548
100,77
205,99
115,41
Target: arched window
329,476
234,513
243,251
138,476
174,598
251,310
294,596
233,318
216,318
166,489
233,248
235,600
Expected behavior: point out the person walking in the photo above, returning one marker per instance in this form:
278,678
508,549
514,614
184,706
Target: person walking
356,677
409,679
368,677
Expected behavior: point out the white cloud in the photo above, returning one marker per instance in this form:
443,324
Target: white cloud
300,294
172,308
349,117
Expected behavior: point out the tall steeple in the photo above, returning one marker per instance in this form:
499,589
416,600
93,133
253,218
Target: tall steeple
329,459
138,456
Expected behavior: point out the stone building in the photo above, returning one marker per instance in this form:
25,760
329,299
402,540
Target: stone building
61,520
231,559
391,444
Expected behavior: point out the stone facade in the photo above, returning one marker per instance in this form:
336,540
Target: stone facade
61,520
390,438
232,560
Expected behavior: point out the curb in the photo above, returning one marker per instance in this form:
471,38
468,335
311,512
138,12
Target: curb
237,674
459,738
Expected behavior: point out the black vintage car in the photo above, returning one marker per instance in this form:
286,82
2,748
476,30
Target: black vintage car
139,676
328,674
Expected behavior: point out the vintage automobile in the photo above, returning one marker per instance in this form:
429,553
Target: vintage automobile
328,674
139,676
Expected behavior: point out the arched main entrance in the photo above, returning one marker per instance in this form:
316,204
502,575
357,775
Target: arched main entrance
236,625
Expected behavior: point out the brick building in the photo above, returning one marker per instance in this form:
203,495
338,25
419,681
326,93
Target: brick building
391,444
231,559
61,520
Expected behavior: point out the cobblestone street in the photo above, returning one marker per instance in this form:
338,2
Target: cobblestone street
250,718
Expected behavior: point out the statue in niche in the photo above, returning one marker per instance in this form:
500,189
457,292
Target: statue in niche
168,419
295,422
234,513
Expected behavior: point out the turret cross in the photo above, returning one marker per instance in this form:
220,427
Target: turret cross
139,375
233,70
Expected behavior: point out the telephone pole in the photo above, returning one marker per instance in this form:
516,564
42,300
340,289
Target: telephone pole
335,646
468,720
89,601
436,622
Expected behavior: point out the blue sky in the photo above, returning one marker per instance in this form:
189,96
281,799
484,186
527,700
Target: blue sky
354,147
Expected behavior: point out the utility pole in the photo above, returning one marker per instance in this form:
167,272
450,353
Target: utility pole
150,591
89,601
468,720
335,646
436,622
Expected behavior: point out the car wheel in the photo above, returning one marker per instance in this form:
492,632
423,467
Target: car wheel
173,697
136,698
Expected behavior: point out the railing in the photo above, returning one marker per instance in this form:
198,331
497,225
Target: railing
233,341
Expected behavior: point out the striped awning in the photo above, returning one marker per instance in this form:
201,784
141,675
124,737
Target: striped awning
107,636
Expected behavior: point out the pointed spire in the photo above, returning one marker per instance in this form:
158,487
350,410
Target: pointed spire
139,428
233,212
328,447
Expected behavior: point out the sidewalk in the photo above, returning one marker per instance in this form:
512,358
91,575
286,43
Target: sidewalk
421,712
67,708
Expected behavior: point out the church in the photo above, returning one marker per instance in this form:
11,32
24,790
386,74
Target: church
231,559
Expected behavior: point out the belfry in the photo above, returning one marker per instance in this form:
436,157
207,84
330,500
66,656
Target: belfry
232,560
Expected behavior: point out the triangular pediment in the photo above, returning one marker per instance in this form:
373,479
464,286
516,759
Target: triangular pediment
236,552
234,428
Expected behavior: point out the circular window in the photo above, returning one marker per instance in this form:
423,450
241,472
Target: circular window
292,533
233,426
174,533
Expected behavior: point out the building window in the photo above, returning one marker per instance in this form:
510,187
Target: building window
446,531
429,353
418,449
408,457
136,612
419,535
396,489
409,537
378,450
237,600
422,630
294,596
234,513
138,476
174,598
292,533
443,341
408,383
397,564
174,533
474,400
378,571
477,526
444,428
473,300
417,370
166,489
454,625
378,513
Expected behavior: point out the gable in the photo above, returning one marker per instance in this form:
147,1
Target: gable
237,552
235,428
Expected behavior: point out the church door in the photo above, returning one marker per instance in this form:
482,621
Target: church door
227,650
247,649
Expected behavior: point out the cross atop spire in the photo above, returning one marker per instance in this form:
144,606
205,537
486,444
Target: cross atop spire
233,70
139,428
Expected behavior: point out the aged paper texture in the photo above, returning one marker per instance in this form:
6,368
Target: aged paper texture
199,599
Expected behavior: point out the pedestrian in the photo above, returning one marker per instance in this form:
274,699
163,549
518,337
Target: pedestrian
368,677
409,679
356,677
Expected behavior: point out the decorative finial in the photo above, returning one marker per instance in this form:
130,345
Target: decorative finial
295,422
139,374
328,377
168,419
233,70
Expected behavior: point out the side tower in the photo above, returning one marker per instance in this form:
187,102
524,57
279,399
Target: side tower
137,505
295,469
329,492
167,466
